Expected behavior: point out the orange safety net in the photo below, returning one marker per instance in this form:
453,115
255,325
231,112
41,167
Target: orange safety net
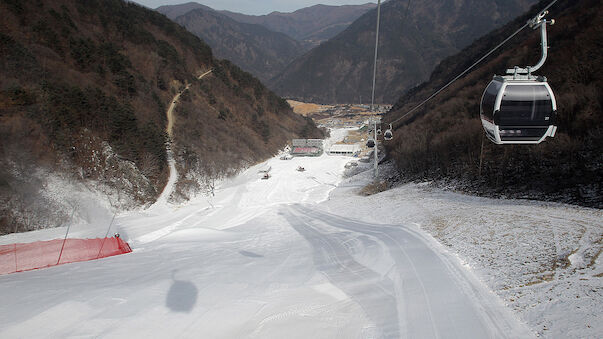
40,254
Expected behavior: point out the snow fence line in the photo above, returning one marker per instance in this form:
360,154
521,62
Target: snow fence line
42,254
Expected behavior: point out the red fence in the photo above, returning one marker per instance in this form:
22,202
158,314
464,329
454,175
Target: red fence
40,254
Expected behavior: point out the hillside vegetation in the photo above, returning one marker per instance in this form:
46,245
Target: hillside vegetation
84,87
442,140
412,41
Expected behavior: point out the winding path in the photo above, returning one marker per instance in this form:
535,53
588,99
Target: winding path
169,187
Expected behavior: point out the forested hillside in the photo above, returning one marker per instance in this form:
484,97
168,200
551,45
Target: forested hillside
442,140
413,39
84,87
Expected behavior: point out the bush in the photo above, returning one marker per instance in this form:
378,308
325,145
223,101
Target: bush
374,188
83,51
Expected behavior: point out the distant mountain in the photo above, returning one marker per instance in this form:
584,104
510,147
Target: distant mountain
411,44
313,24
83,96
174,11
442,141
263,45
252,47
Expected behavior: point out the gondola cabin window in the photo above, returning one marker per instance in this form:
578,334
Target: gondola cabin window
527,105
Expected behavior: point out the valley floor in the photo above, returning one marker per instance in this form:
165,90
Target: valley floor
302,255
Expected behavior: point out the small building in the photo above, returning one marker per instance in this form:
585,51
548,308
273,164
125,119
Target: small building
306,151
306,147
314,143
298,143
344,149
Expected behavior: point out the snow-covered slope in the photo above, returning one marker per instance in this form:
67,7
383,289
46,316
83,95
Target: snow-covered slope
296,256
543,259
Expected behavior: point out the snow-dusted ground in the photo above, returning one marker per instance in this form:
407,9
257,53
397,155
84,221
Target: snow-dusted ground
300,255
543,259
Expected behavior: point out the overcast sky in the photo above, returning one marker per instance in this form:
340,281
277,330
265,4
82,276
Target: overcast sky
255,7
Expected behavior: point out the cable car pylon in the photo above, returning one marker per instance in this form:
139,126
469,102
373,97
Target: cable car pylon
372,143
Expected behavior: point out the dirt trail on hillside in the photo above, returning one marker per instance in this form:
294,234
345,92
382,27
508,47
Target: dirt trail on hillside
170,111
169,187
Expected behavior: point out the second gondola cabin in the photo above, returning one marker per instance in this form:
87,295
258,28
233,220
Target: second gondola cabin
518,110
388,135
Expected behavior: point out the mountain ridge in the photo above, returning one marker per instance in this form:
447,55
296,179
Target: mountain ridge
263,45
253,47
174,11
411,43
313,24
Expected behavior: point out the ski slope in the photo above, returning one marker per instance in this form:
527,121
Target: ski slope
296,256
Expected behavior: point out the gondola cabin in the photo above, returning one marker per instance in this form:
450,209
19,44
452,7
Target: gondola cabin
518,110
388,135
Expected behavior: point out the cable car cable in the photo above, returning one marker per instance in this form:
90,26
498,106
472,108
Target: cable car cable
377,46
473,65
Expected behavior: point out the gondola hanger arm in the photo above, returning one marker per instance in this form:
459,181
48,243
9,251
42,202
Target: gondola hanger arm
537,22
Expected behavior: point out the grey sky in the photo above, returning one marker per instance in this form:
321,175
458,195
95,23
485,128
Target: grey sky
255,7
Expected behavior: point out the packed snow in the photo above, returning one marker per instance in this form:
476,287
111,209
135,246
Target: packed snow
301,255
